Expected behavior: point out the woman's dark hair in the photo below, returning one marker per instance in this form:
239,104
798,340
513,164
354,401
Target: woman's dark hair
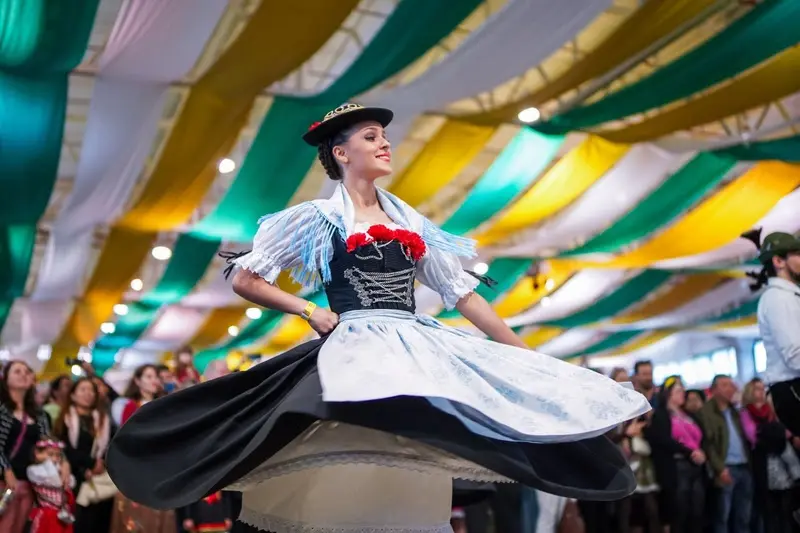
59,427
325,153
132,391
666,390
700,393
28,402
55,384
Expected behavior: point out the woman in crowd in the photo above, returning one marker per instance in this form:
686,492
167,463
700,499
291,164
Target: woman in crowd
676,438
85,428
143,387
776,468
22,425
59,390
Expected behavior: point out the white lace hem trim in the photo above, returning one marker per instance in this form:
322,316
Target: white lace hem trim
274,524
393,460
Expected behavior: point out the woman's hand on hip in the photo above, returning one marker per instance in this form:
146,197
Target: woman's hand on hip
323,321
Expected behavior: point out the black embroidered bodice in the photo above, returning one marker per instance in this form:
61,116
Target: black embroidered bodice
376,276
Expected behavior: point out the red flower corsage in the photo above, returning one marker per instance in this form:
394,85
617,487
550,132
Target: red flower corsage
412,243
314,126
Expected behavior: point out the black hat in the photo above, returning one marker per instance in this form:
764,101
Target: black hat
342,118
779,244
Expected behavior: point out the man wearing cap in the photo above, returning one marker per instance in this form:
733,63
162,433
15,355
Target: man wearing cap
779,323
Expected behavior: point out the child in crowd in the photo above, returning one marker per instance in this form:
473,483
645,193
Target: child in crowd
54,509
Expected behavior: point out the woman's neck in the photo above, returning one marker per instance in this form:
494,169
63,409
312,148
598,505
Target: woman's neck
83,411
18,397
146,397
362,193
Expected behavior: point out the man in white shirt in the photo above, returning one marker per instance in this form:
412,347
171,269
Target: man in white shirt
779,323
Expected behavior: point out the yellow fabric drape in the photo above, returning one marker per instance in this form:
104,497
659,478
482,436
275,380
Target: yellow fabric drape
524,296
557,188
676,295
651,23
541,335
279,37
720,219
451,149
737,323
215,327
105,289
777,78
290,333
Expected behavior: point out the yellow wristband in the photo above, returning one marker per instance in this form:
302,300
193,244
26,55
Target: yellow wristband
310,307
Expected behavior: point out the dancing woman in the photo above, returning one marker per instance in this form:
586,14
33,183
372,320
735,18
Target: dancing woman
365,428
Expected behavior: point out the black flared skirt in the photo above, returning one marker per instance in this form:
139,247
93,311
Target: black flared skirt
185,446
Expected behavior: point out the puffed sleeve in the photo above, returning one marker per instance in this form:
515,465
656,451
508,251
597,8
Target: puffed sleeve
297,239
441,269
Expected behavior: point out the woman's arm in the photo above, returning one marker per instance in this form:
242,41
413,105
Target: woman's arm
254,288
477,310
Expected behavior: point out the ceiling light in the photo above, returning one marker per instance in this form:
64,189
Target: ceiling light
108,328
233,331
529,115
253,313
76,370
120,309
226,166
137,284
44,352
545,301
550,284
162,253
481,269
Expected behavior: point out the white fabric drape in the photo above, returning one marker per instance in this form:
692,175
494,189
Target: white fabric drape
215,293
580,291
640,171
522,35
153,43
782,217
175,327
571,342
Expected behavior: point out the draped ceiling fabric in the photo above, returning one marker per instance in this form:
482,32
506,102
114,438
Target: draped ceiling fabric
562,184
533,28
125,108
40,43
173,192
651,24
637,175
720,219
772,81
768,29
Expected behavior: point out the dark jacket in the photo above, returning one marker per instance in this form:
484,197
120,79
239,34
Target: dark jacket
716,438
664,448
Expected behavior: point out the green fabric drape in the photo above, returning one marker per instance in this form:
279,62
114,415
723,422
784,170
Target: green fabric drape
278,160
520,163
40,42
613,340
178,280
672,198
768,29
622,298
506,271
786,149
